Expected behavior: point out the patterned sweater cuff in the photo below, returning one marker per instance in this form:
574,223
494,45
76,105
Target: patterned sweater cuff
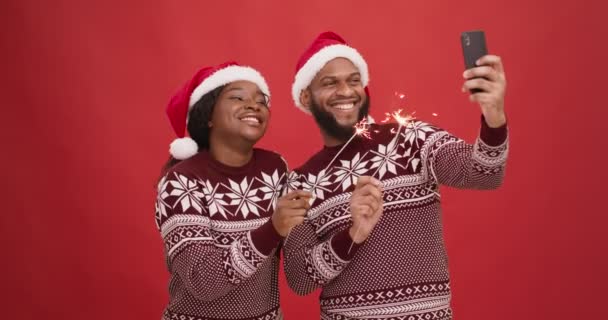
341,243
493,136
265,238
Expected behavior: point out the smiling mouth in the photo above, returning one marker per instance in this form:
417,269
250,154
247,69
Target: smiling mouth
344,106
251,120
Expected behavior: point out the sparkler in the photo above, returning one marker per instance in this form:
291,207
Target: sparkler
362,130
403,121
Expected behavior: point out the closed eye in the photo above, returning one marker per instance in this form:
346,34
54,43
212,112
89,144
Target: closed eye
265,100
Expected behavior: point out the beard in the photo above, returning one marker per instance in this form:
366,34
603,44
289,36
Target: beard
328,123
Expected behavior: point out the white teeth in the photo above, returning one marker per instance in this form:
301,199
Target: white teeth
250,119
347,106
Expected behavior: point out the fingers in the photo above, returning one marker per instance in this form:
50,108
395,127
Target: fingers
368,189
478,83
360,210
286,224
366,204
375,217
297,199
295,221
301,203
488,77
367,197
481,97
364,180
380,203
297,194
291,209
369,201
493,61
481,72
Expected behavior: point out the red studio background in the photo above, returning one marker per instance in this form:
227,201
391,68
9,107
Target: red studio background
85,83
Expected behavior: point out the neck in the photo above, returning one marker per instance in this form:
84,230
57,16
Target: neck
232,155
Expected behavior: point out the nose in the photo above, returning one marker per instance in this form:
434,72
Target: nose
252,104
344,89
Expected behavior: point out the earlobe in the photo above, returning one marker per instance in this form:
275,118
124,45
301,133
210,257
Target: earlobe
209,124
305,98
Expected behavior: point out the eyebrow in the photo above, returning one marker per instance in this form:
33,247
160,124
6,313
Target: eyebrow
234,89
239,88
333,77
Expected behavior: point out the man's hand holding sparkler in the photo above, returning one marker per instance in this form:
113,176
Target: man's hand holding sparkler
489,76
365,208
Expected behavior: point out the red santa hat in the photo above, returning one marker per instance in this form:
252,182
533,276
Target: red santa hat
204,81
326,47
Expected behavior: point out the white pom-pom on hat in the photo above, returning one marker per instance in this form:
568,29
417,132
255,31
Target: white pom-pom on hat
183,148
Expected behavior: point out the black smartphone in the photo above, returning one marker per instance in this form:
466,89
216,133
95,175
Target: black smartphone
473,47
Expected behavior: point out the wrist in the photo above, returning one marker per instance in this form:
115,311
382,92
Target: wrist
265,238
278,230
356,234
495,119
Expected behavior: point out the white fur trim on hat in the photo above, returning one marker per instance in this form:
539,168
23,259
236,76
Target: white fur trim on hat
183,148
310,69
226,76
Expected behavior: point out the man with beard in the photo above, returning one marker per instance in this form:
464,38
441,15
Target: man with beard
373,237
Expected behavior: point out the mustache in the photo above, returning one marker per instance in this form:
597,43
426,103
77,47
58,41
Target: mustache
328,123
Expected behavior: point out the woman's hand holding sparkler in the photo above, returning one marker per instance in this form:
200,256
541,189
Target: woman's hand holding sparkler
290,211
